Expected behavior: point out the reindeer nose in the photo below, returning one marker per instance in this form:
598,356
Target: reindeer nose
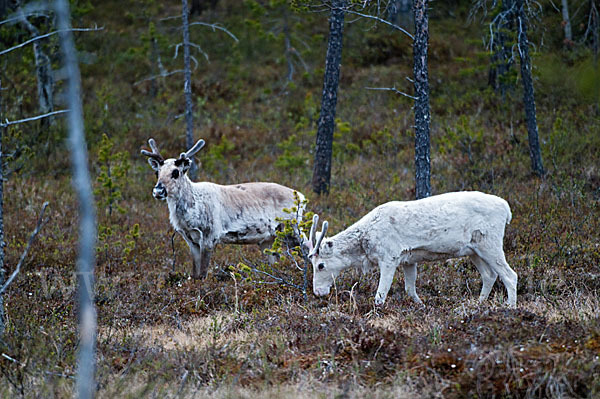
159,191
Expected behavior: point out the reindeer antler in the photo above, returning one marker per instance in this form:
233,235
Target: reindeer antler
309,243
320,237
155,153
192,151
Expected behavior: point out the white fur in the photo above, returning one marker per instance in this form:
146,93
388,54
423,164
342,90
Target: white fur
441,227
207,214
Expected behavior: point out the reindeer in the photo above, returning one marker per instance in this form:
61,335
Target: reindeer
397,233
206,214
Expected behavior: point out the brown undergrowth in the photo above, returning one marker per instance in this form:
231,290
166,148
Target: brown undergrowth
162,333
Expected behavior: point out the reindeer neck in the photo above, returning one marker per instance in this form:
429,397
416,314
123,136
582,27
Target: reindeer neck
183,196
347,244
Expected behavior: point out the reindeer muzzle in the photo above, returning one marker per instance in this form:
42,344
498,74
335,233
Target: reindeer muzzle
159,192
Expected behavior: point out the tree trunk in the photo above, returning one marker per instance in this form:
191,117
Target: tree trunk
528,93
399,12
198,6
3,9
323,150
2,271
187,87
501,49
43,72
422,113
288,45
567,23
86,357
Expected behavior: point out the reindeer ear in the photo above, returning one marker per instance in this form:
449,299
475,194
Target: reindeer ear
154,164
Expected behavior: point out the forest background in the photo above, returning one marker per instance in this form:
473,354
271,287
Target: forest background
256,82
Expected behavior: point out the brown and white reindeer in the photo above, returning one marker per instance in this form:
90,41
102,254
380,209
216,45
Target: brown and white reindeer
207,214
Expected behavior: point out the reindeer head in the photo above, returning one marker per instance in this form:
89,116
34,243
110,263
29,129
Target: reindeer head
170,172
326,265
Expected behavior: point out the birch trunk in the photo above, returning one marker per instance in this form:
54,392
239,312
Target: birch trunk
86,356
567,23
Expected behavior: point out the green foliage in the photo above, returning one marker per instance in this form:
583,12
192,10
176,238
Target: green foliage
464,138
587,78
112,178
343,146
80,8
216,157
132,238
293,157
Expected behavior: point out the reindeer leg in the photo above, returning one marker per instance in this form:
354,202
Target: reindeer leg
201,267
386,277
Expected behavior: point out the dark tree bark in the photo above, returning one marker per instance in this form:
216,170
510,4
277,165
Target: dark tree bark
422,112
187,88
198,6
322,167
3,9
528,93
86,356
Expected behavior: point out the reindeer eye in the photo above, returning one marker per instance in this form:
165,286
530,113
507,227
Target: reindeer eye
321,266
175,174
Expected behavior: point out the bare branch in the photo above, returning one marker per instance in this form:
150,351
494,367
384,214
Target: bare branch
177,49
40,224
216,26
201,52
170,18
383,21
33,39
160,75
33,118
394,90
13,20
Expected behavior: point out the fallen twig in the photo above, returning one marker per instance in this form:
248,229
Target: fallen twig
40,224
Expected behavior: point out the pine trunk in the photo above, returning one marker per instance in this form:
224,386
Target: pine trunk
323,150
528,92
422,112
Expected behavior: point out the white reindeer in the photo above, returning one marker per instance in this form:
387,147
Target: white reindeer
206,214
441,227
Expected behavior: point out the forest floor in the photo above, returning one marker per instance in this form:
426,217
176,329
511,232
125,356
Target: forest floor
236,335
